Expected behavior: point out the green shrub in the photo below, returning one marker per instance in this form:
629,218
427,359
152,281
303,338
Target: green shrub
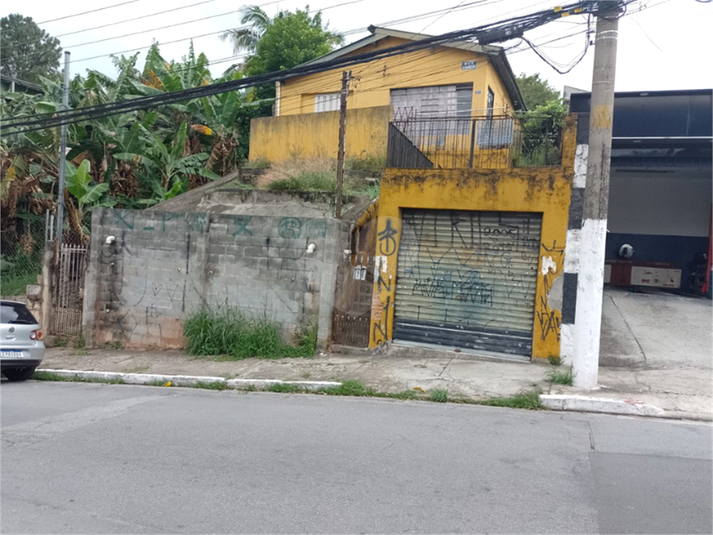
523,400
554,360
439,395
230,332
560,377
373,165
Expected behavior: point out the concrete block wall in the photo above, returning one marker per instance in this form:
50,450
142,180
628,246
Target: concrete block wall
151,270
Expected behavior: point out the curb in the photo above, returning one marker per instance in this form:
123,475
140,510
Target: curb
189,380
628,407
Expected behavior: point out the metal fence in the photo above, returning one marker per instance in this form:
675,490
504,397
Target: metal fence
485,142
21,248
68,294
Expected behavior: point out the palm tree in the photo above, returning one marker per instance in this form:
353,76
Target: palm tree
247,38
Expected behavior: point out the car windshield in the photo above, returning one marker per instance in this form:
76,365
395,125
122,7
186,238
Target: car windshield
16,314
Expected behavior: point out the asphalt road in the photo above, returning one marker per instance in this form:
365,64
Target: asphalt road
89,458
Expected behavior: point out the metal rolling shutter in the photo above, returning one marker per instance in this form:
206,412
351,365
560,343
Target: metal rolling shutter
433,101
467,279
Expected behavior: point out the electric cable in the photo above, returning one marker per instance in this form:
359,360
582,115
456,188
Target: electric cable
529,21
181,39
521,24
87,12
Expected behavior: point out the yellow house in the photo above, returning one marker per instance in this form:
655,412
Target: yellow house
458,79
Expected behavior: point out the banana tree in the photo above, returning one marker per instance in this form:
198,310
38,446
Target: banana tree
166,163
79,183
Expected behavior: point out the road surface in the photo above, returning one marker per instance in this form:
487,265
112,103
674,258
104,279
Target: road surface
94,458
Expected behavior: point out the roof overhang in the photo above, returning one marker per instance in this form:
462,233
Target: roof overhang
494,53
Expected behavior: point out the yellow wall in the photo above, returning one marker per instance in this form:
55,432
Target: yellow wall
317,134
299,132
540,190
371,82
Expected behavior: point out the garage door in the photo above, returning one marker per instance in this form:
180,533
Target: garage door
467,279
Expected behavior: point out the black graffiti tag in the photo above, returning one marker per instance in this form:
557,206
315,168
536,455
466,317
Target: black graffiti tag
387,242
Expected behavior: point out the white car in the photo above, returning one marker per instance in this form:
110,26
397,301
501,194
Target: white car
21,345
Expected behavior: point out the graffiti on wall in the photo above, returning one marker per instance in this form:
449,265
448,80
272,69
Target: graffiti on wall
287,227
159,279
549,303
388,232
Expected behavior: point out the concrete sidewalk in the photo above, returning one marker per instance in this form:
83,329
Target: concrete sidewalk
679,392
655,349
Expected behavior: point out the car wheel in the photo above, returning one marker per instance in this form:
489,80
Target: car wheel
19,374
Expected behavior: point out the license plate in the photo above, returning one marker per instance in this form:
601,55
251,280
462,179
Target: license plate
10,354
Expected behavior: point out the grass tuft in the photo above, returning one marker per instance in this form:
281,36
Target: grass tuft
211,386
284,388
439,395
50,376
229,332
560,377
522,400
349,388
554,360
320,175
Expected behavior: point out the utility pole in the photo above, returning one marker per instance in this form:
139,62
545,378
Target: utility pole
62,155
342,130
590,281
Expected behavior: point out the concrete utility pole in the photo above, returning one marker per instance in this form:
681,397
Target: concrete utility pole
62,155
342,130
590,282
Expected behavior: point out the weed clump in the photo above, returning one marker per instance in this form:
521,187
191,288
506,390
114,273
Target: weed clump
560,377
523,400
230,332
439,395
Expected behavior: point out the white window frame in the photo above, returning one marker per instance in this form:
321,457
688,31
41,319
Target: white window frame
326,102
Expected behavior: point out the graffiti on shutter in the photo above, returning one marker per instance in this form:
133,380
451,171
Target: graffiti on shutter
468,279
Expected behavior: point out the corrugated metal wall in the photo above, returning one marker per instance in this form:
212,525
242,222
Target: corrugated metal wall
467,279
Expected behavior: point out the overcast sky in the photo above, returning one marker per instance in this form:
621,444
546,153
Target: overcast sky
666,45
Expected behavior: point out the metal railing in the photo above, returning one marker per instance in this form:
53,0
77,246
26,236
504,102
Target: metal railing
483,142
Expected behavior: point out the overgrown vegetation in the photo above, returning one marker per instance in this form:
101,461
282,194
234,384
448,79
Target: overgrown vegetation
439,395
522,400
372,166
319,175
51,376
137,159
232,333
541,125
560,376
21,249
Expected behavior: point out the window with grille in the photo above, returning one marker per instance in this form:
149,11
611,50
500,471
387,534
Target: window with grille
326,102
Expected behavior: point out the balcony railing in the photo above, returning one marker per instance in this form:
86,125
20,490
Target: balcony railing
483,142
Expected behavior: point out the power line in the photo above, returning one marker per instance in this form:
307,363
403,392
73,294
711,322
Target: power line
414,18
87,12
135,19
184,38
147,46
522,23
155,29
487,32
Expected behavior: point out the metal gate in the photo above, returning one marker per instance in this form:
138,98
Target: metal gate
68,294
352,303
468,279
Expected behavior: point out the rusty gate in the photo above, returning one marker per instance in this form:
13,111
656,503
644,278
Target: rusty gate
352,303
68,291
